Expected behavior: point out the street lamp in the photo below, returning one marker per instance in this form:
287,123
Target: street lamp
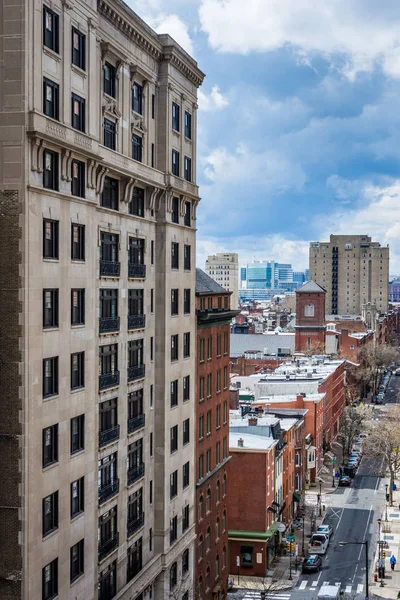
379,548
386,500
302,545
366,561
320,497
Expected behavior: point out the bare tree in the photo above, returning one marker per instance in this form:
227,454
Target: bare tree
372,358
351,422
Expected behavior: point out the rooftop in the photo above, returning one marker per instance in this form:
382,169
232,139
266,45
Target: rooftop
250,441
267,343
310,287
206,284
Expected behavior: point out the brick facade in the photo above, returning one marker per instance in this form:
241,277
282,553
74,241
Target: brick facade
310,319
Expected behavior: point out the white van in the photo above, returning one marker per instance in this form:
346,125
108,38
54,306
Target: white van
329,592
318,543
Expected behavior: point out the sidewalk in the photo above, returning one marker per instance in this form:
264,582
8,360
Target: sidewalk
279,581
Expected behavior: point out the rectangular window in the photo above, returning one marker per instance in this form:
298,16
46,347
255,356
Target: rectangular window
186,432
187,217
175,210
201,466
50,377
135,302
187,257
186,345
173,485
208,461
77,497
209,420
173,433
175,117
201,427
50,29
51,99
225,378
225,411
188,168
78,112
152,300
185,475
174,255
134,559
107,584
108,419
109,79
107,475
225,447
50,308
218,453
78,49
219,340
50,445
137,147
50,170
152,252
76,560
174,393
137,98
201,350
77,434
135,353
226,344
109,247
78,178
50,580
188,125
186,388
110,195
186,301
50,513
136,251
174,347
77,370
50,239
78,307
174,302
152,155
153,106
136,205
110,134
218,381
218,417
175,163
209,348
77,242
201,389
185,519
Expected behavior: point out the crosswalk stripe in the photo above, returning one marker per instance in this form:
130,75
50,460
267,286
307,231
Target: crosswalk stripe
326,583
314,584
348,589
303,585
360,588
338,584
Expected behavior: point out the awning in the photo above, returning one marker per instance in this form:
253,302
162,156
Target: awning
253,535
296,497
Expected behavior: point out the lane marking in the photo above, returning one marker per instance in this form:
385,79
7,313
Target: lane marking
360,588
348,589
303,585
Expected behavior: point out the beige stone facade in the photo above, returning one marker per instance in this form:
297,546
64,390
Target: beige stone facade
98,202
352,269
224,269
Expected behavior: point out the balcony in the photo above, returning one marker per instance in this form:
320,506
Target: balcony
109,268
136,423
136,372
109,324
136,321
136,271
106,547
135,525
108,491
108,380
135,474
108,436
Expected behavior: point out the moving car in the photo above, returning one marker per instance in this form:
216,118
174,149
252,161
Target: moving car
329,592
344,481
318,543
312,563
326,530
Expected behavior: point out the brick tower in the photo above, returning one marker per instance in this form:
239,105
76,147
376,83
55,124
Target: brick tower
310,318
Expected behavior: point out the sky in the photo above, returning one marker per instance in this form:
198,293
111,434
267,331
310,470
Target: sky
298,124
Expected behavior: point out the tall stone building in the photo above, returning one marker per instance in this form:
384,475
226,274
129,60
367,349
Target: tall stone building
98,204
353,270
224,269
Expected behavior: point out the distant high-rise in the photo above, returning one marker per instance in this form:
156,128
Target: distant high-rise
224,269
353,270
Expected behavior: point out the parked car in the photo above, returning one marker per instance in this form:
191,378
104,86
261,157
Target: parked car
363,436
397,372
327,530
355,457
318,543
350,470
312,563
379,399
344,481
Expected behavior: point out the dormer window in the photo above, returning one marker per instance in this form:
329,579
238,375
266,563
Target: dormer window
309,310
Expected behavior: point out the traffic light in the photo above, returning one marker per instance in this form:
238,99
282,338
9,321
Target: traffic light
383,553
288,545
292,547
387,497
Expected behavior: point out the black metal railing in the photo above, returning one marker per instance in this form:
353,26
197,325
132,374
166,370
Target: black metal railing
135,525
136,423
108,380
136,372
108,546
136,321
108,436
109,268
135,474
107,324
108,491
136,271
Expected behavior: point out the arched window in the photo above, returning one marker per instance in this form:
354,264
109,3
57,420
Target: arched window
224,521
208,578
200,587
223,558
217,566
218,491
309,310
217,528
208,505
200,549
224,487
208,539
201,507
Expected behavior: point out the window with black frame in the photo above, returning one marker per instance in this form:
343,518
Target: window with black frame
109,80
109,253
107,472
78,49
175,117
110,195
187,217
107,583
50,170
77,242
51,98
137,98
50,513
136,368
135,563
175,210
50,29
110,134
50,309
77,370
77,497
175,163
137,143
108,359
188,125
50,239
135,464
77,560
136,205
108,532
50,377
77,434
78,178
78,112
50,445
135,511
77,307
136,416
188,168
108,419
50,580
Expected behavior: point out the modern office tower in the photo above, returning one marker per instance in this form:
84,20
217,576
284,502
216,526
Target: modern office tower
283,275
98,204
212,432
224,269
353,270
260,274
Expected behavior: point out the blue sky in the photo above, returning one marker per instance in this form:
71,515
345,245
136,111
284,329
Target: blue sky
299,121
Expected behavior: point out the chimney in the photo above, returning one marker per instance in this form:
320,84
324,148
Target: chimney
253,421
240,443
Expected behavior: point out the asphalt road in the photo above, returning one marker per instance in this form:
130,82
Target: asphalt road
393,390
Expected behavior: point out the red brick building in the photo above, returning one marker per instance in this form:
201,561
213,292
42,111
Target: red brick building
310,318
212,436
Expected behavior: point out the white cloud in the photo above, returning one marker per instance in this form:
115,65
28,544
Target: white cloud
213,101
176,28
361,33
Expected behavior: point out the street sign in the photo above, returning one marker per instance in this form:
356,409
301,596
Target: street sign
290,538
281,527
382,563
